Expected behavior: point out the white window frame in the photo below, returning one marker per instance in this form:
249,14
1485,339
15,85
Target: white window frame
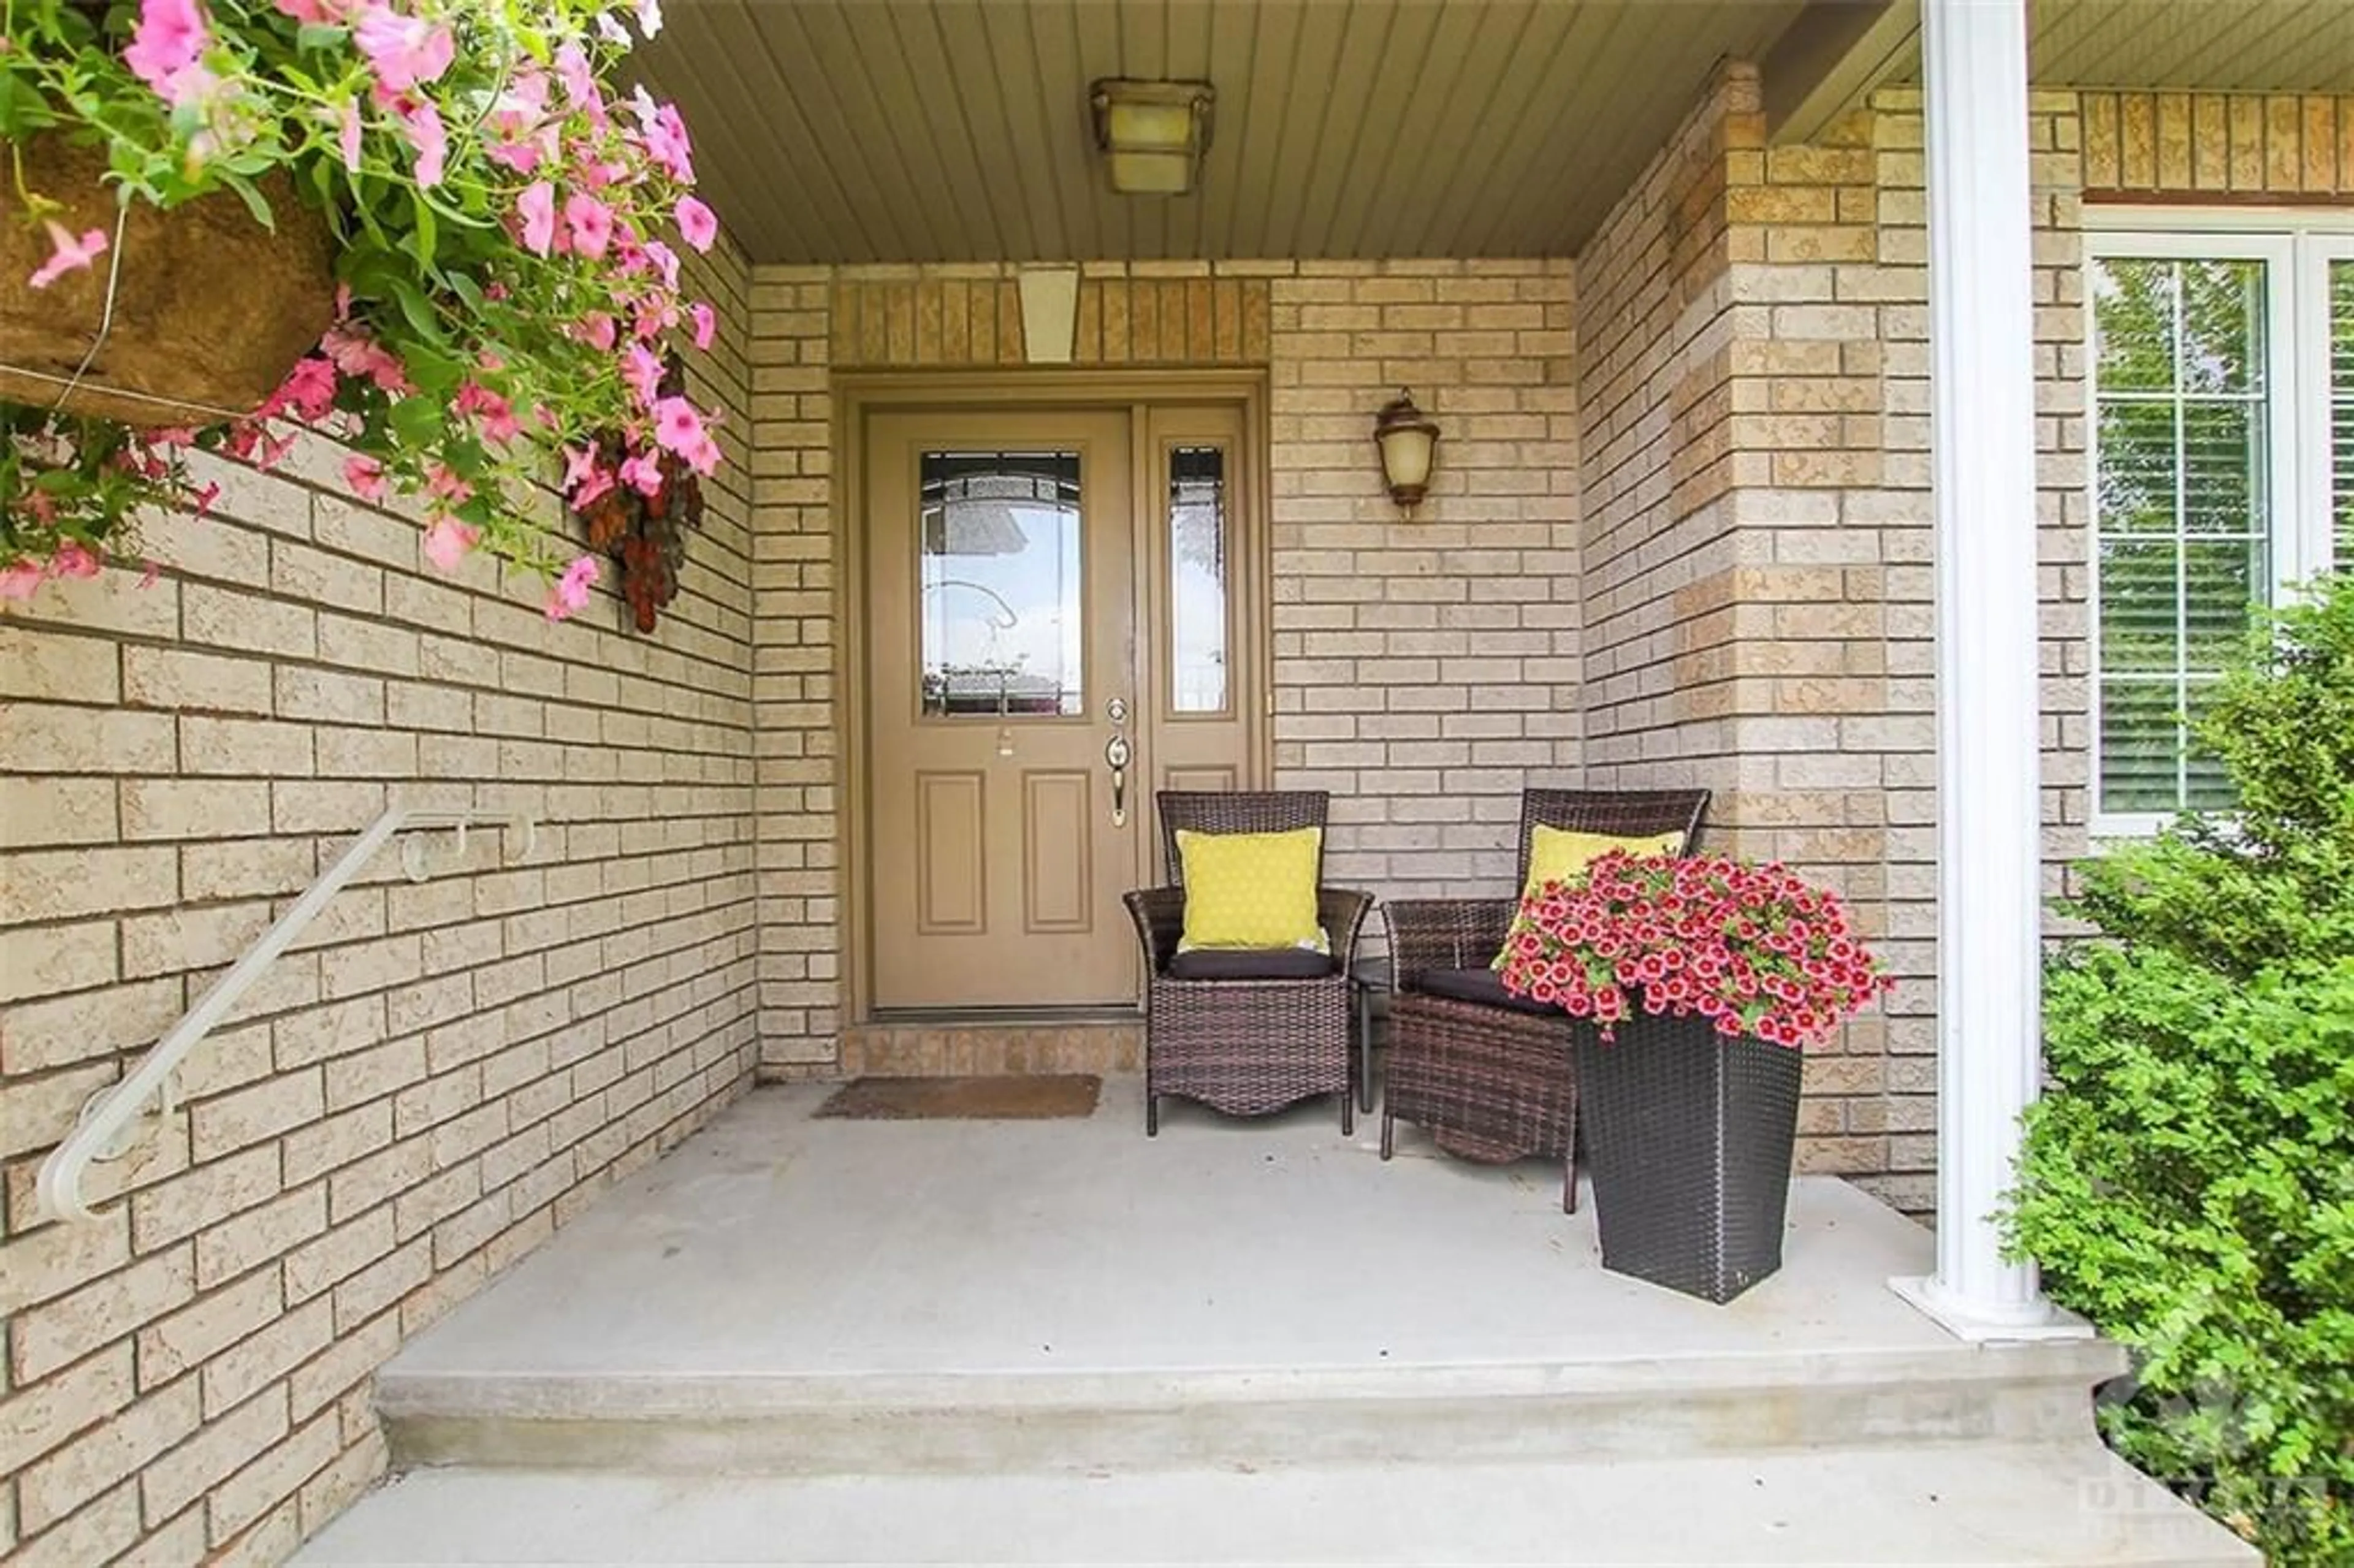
2297,246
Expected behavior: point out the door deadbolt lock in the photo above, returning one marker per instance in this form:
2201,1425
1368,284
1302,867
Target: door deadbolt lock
1116,710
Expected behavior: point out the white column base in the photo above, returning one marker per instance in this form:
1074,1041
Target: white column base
1971,1322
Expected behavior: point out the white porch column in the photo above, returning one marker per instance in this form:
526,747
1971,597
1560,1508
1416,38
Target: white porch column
1982,435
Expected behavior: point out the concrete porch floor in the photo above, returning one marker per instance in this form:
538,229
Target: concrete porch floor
803,1340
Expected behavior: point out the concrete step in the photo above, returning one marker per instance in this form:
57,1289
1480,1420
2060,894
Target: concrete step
1692,1403
2066,1505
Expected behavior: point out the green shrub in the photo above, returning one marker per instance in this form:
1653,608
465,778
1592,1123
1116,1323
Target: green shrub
2187,1181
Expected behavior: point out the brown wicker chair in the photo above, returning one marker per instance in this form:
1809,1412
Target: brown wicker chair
1486,1073
1261,1032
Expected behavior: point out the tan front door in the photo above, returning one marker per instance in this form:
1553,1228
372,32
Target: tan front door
1053,626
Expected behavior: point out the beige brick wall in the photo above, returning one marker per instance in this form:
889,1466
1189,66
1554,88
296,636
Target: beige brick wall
1756,554
1422,669
2187,146
437,1076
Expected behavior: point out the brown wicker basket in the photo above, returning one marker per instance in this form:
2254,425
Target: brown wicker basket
211,310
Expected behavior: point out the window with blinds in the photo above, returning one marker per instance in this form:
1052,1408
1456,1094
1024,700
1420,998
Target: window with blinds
2223,431
2341,409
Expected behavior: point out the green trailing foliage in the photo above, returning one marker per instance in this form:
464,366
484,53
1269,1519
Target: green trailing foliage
2187,1181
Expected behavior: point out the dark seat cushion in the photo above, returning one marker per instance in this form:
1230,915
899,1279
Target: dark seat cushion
1483,986
1251,963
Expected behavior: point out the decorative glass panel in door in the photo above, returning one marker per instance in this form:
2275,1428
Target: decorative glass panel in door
1001,641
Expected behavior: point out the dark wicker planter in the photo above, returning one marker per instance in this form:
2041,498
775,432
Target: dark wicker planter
1689,1136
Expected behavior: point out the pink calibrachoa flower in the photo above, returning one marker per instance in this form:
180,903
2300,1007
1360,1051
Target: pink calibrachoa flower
366,476
706,323
695,221
20,580
536,205
590,222
570,596
67,253
170,37
403,50
73,560
447,542
597,330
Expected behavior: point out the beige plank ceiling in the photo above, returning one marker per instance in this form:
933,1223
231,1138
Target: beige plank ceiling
2221,45
856,131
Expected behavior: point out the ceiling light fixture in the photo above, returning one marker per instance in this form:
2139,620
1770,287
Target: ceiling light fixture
1153,134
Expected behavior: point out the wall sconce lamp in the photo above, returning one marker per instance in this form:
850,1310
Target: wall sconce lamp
1152,133
1407,439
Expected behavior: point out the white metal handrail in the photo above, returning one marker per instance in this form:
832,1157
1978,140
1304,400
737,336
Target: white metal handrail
107,1130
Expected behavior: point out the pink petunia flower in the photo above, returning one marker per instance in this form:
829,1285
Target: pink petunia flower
642,473
404,51
447,542
19,580
170,37
677,426
309,389
579,82
497,413
537,207
67,253
706,323
426,134
590,222
665,262
73,560
696,222
664,134
570,596
643,372
597,330
359,355
348,134
366,476
207,496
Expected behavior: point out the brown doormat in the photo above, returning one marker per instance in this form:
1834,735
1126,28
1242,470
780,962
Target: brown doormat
1043,1097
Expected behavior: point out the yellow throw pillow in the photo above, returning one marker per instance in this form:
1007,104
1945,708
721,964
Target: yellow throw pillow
1250,890
1564,854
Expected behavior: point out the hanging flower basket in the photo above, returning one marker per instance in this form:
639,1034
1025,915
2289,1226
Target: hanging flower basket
503,223
1698,983
210,310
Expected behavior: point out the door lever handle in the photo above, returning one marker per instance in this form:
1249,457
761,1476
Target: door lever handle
1115,756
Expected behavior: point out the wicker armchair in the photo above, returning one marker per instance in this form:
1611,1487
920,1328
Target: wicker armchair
1486,1073
1259,1032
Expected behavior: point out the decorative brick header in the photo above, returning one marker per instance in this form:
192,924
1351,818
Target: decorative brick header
973,316
2205,146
